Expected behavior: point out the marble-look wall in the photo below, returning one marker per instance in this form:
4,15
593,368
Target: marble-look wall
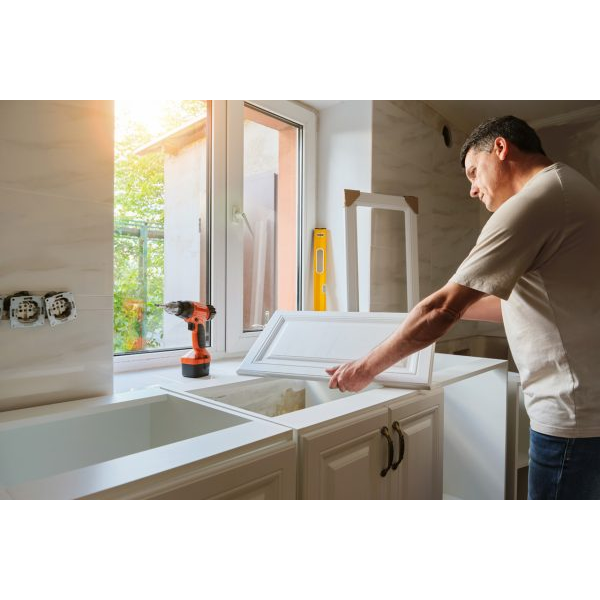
56,228
409,157
577,145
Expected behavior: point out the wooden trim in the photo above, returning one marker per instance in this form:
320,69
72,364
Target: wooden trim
413,202
350,196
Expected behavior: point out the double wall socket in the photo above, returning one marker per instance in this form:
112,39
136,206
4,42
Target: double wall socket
26,310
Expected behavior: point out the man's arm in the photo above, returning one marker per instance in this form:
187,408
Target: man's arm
425,323
485,309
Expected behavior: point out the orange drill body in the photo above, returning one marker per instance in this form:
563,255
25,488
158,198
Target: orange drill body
196,363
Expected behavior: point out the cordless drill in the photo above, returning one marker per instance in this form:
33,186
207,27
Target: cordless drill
196,363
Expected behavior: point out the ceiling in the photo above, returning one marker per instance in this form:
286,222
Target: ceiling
321,104
467,114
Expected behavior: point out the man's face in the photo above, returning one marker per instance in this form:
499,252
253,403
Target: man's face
485,170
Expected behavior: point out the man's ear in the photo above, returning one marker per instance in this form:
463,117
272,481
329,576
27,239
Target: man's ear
501,148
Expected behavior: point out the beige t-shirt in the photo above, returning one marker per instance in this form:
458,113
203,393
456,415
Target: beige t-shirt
540,253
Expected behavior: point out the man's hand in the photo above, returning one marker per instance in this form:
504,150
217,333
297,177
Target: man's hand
350,377
425,323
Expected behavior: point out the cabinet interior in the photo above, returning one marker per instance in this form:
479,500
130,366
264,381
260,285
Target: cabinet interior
275,397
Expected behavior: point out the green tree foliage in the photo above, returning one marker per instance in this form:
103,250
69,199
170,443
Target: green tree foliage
139,208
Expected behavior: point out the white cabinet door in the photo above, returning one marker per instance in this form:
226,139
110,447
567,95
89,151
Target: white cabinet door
303,344
263,474
417,431
344,460
269,477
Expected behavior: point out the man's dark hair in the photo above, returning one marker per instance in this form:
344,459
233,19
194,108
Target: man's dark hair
515,130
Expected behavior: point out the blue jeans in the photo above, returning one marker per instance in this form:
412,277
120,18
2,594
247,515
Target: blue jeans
563,468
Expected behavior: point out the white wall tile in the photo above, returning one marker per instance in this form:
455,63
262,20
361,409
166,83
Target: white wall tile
56,231
56,147
51,364
53,243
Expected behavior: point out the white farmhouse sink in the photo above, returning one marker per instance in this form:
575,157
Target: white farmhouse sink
42,442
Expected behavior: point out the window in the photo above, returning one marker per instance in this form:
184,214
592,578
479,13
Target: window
161,219
214,202
270,216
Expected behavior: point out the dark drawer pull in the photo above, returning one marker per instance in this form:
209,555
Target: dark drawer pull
386,433
396,428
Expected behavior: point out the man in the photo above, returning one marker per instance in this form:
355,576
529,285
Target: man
533,268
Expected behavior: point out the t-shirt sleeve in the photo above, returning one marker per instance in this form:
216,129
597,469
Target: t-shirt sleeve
513,242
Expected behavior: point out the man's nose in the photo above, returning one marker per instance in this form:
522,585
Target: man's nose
474,193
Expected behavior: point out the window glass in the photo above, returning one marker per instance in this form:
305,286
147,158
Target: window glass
271,166
162,219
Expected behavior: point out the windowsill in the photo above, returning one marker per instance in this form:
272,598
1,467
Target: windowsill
221,371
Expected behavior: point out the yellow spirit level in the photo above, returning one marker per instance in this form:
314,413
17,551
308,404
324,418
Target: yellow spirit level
319,268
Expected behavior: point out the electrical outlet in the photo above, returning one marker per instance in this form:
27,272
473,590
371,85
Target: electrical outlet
60,307
26,311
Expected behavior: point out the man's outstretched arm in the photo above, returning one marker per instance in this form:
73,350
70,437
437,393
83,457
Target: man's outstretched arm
485,309
425,324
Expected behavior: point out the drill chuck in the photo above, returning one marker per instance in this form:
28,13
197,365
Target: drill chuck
185,309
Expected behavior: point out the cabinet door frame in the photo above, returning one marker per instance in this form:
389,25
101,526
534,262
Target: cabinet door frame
409,205
407,413
317,446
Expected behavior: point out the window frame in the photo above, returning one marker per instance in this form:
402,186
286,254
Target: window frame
226,192
237,340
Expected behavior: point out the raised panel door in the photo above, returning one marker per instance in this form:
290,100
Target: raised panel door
344,461
418,427
269,476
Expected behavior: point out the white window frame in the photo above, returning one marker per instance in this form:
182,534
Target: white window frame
226,267
236,339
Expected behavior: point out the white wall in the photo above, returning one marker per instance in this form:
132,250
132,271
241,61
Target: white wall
56,234
344,162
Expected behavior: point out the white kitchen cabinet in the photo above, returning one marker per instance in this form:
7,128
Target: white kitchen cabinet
394,452
517,441
345,460
268,475
450,412
475,423
418,426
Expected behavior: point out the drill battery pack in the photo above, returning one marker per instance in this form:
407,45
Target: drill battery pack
200,370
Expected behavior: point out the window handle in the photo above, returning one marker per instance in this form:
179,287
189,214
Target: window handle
239,215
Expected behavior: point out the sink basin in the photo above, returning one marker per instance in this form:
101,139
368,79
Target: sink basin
50,443
274,397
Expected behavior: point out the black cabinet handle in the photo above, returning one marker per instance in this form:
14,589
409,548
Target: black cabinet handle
386,433
396,428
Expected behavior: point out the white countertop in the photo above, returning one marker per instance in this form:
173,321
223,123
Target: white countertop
447,369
